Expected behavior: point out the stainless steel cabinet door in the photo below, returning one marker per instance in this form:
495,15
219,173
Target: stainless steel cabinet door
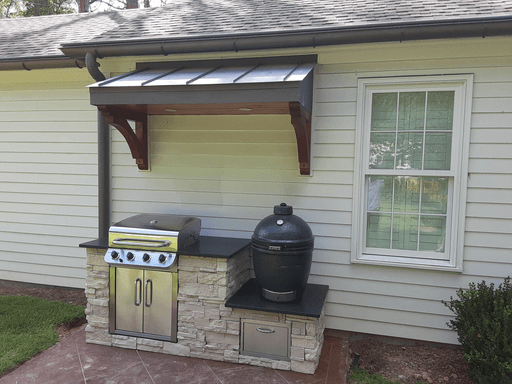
129,299
159,291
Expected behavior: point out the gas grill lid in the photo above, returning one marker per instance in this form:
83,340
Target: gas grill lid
154,224
164,232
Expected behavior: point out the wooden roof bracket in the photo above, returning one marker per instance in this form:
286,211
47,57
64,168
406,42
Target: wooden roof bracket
138,140
301,121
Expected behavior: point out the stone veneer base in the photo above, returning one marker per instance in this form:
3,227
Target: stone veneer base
206,328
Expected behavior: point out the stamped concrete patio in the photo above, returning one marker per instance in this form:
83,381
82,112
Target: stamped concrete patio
72,361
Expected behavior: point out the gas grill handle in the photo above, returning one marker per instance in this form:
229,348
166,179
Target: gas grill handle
150,301
138,292
265,330
142,243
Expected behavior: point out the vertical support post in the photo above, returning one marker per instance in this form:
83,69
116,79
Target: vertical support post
104,186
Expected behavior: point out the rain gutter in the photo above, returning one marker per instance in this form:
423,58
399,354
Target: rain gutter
30,63
478,27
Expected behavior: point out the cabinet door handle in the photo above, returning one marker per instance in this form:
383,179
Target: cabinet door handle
138,291
265,330
149,283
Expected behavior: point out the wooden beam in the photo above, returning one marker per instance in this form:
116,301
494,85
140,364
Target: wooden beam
138,140
301,121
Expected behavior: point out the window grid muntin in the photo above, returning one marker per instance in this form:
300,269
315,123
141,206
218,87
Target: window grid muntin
396,131
420,213
413,172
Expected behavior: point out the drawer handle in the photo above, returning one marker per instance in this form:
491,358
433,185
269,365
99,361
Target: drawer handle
265,330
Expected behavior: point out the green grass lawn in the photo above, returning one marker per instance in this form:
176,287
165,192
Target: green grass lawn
27,326
359,376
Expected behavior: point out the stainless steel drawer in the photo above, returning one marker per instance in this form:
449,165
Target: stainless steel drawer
266,339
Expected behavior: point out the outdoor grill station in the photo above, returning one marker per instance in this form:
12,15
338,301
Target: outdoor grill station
157,284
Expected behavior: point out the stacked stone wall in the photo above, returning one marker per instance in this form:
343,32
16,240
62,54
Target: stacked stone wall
206,328
97,292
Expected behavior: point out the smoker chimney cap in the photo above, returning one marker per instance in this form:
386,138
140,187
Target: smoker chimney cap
283,209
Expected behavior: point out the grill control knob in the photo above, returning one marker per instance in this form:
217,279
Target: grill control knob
146,258
130,256
162,258
114,255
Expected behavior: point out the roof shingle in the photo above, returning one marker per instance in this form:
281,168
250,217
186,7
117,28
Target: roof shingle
188,19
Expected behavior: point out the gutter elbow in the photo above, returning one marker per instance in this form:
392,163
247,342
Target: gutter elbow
93,67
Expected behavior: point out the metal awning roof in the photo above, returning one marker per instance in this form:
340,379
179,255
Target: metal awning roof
278,85
211,82
210,75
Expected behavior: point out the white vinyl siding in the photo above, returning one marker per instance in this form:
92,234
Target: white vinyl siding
48,177
230,171
402,302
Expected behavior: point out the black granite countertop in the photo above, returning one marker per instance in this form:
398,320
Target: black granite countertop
101,243
223,247
207,246
248,297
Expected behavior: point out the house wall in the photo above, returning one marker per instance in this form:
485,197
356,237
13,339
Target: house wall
230,171
48,176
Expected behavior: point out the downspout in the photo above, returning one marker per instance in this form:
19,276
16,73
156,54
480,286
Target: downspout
103,156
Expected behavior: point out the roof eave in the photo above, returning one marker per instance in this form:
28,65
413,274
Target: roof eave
425,30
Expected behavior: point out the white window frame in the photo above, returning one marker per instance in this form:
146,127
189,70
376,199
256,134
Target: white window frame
453,256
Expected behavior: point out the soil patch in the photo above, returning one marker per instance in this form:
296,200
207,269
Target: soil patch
411,364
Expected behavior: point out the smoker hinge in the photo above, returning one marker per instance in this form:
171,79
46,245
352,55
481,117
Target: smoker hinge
137,140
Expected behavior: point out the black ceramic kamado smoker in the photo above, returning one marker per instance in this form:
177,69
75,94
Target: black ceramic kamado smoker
282,250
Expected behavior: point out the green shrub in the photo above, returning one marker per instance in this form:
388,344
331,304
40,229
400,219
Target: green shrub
483,323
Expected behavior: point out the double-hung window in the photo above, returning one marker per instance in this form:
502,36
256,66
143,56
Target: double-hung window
411,171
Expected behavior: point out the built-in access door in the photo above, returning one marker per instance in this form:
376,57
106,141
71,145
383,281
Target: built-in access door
145,303
129,299
158,298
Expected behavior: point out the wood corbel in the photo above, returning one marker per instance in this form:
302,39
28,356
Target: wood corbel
301,121
138,140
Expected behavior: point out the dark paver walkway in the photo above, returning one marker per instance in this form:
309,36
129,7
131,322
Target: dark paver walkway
72,361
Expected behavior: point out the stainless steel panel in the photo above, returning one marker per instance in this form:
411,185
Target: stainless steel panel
141,259
164,243
160,292
129,308
159,232
266,339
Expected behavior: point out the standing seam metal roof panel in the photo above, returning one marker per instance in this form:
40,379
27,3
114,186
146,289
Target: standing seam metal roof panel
269,73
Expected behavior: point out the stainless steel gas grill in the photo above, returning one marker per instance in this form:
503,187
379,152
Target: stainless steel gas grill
143,273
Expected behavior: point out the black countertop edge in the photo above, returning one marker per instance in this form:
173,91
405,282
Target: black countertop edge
248,297
207,246
101,243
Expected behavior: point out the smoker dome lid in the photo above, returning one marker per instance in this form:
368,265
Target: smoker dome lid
283,228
